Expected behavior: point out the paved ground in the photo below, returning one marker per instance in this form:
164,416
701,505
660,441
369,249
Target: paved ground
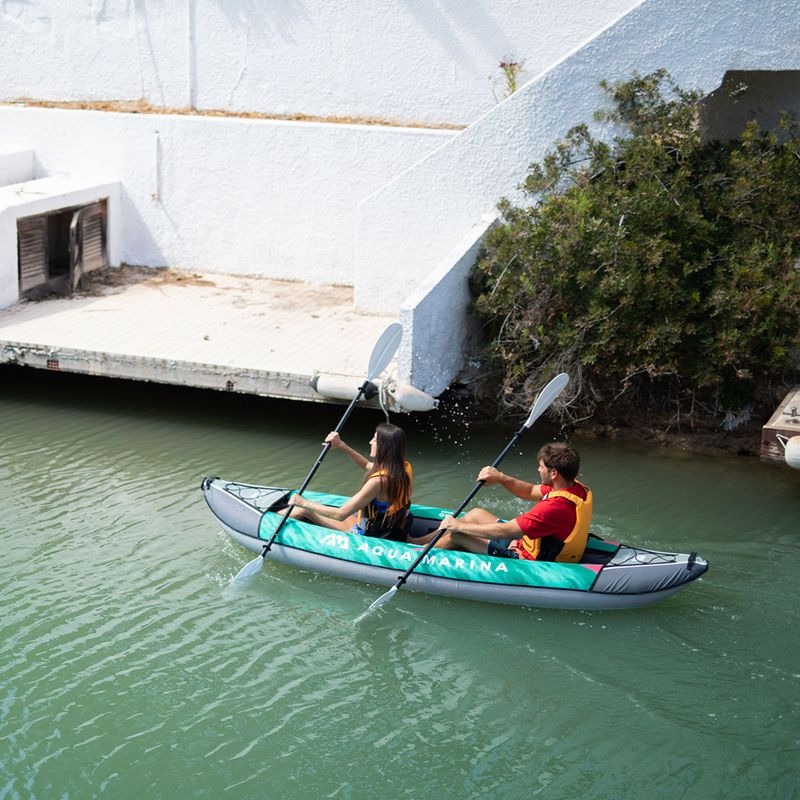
220,331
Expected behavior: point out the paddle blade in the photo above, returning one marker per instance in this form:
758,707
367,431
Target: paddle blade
384,350
546,397
382,600
249,569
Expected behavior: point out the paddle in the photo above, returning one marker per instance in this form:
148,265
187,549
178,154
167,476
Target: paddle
382,354
540,405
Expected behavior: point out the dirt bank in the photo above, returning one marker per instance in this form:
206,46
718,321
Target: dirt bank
631,425
745,441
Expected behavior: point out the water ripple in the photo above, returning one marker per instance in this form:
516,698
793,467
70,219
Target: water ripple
125,662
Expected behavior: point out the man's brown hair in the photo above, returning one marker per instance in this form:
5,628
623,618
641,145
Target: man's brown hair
562,457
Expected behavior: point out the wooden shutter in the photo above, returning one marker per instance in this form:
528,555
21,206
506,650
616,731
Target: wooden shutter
32,252
87,238
93,237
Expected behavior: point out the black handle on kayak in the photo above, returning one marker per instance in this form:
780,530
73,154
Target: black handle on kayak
325,448
475,489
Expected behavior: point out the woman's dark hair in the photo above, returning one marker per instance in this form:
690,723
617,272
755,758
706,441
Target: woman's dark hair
560,456
390,458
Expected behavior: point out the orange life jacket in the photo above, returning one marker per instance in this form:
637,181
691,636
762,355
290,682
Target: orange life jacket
573,546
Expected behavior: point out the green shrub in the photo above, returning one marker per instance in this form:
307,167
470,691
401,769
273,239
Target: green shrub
657,270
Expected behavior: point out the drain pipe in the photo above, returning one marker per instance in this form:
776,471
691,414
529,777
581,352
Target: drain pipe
791,450
401,398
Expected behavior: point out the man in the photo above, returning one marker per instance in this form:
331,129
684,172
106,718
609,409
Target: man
555,529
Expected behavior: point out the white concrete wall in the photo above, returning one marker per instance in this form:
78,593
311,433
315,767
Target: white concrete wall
43,195
445,195
434,319
306,201
254,197
404,60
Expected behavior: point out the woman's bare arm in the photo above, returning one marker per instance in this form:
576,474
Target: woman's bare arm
337,443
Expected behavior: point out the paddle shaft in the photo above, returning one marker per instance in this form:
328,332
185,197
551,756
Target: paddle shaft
475,489
325,448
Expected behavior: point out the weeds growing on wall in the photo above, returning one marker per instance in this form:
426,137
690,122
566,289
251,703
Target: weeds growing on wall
511,70
660,270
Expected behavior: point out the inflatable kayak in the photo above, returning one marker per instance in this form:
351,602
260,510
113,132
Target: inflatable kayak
610,575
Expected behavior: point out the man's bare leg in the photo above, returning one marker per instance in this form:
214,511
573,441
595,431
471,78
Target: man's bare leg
464,541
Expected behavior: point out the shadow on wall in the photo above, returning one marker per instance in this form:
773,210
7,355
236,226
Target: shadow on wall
142,31
38,170
266,18
442,19
133,228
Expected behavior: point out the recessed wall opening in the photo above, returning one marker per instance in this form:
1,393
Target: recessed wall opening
57,248
743,96
58,243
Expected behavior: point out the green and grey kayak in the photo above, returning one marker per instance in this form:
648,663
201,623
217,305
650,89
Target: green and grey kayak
611,574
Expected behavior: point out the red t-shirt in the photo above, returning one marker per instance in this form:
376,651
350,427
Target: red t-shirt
551,516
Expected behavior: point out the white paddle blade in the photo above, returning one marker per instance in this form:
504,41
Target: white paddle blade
249,569
384,350
546,397
382,600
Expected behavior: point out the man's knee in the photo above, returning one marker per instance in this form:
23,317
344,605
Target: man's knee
446,541
479,515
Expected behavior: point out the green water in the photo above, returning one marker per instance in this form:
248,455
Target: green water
128,670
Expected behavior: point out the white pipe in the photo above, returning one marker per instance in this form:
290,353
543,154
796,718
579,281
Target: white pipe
791,450
406,398
401,397
337,387
156,195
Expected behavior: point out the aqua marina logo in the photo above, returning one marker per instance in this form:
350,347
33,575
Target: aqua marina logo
400,556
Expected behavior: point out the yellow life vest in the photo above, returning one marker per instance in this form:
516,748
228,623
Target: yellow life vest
378,516
575,543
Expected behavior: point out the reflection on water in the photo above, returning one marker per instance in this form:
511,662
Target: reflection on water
125,661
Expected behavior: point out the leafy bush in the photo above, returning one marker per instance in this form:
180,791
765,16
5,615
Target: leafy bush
658,269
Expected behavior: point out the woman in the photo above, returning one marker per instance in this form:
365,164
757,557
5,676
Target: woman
380,507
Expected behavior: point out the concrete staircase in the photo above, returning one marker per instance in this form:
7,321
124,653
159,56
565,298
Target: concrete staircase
426,224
